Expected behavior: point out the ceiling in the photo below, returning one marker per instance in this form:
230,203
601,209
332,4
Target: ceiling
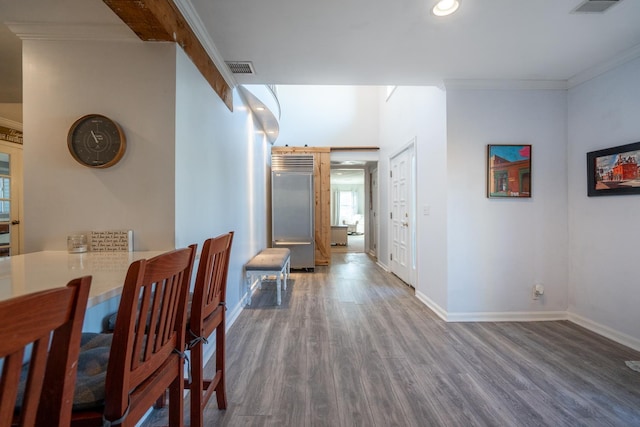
381,42
340,176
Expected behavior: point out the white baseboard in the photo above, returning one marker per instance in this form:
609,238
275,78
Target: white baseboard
605,331
512,316
531,316
232,315
382,266
442,313
508,316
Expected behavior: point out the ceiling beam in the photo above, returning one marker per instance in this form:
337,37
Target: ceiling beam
160,20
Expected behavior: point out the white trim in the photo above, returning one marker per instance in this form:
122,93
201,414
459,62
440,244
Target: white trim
382,266
193,19
605,331
515,316
210,348
531,316
65,31
432,305
10,124
508,316
616,61
583,76
232,315
505,84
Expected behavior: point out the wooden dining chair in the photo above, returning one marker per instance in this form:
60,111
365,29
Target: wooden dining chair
40,392
145,353
207,316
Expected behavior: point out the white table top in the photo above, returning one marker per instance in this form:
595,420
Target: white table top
23,274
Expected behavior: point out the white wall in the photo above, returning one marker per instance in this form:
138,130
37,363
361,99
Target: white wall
328,116
11,111
604,233
418,114
498,249
221,173
192,169
134,84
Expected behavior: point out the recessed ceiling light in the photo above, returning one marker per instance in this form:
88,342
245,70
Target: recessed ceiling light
260,108
445,7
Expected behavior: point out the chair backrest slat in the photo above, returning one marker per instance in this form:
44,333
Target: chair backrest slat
51,322
151,322
211,281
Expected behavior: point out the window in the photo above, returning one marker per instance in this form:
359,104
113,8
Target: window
348,206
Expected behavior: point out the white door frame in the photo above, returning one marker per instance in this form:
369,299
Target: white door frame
371,235
411,211
16,207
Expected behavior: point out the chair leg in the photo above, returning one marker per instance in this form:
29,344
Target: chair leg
161,401
196,386
176,401
201,389
221,392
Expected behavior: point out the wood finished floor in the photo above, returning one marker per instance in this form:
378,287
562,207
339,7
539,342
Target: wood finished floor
351,346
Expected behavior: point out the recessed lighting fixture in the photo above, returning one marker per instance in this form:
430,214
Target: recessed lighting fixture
445,7
260,108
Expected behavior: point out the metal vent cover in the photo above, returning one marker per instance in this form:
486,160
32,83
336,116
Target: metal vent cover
595,6
240,67
291,163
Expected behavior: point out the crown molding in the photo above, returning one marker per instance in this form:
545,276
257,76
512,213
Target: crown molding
505,84
59,31
593,72
193,19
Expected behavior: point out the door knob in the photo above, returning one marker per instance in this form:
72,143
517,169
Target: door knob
15,222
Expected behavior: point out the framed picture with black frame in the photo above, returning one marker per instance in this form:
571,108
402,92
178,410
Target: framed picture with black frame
614,171
508,171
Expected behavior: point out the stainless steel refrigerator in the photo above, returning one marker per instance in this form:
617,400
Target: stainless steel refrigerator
292,208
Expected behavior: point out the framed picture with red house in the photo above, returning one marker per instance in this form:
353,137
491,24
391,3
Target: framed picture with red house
508,171
614,171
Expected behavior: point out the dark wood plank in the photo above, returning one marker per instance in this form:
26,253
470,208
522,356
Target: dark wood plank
160,20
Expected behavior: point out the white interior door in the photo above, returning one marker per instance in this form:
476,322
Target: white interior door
10,198
401,216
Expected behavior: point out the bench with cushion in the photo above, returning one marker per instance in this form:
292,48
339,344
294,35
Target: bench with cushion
269,262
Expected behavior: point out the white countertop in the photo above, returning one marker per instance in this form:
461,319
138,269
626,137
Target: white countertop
23,274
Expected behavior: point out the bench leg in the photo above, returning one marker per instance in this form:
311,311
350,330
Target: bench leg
278,291
247,282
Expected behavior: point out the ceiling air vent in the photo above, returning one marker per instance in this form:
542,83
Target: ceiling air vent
595,6
240,67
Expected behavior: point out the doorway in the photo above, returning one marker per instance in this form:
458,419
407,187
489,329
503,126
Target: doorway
348,207
10,198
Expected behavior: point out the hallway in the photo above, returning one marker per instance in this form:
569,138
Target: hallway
355,243
350,345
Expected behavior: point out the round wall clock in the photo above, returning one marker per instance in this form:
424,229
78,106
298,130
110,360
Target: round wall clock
96,141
